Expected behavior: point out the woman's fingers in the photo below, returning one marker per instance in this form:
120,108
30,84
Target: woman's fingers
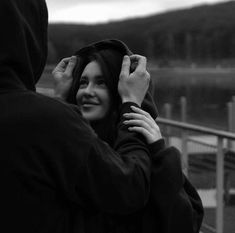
61,66
62,75
149,135
140,60
132,87
139,110
139,116
65,66
139,123
71,64
142,131
125,70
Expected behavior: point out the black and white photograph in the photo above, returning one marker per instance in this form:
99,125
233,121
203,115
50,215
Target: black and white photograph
117,116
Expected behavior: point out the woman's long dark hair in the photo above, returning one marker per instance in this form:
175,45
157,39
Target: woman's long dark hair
110,62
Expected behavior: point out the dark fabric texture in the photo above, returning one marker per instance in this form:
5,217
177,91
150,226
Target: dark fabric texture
174,205
56,174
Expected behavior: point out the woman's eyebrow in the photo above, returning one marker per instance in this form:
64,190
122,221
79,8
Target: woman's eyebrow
83,77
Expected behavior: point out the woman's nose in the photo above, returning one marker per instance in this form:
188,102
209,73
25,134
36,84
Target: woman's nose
89,90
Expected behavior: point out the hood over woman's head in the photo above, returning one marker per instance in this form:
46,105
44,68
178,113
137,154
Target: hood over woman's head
23,42
109,55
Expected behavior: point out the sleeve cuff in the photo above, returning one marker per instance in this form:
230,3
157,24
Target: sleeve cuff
155,147
126,107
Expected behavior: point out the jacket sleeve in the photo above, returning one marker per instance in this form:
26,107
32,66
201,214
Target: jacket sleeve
175,201
93,175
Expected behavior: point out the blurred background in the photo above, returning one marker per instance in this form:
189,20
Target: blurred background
190,46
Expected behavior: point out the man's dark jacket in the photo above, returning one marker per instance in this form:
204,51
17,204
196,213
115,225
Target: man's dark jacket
55,172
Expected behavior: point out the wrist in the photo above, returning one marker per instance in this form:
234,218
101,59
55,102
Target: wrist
131,99
154,139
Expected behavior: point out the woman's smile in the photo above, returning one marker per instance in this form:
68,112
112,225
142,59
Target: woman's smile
87,103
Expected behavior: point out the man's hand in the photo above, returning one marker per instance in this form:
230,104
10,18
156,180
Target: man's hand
62,75
132,87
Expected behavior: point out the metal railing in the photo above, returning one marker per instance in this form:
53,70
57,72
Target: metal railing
221,135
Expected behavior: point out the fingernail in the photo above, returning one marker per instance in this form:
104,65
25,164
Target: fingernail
134,108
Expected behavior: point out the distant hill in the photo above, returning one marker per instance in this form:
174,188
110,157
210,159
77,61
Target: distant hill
205,32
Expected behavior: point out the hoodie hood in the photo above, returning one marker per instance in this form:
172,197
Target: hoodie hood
23,42
117,45
105,44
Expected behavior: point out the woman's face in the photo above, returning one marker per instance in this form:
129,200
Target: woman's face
93,95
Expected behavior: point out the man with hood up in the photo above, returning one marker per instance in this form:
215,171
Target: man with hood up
55,172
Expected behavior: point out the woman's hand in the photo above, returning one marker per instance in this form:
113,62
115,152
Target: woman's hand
62,75
133,79
143,123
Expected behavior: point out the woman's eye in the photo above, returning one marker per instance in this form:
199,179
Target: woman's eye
83,83
100,82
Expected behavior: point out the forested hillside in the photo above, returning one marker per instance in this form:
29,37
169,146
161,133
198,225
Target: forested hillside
205,32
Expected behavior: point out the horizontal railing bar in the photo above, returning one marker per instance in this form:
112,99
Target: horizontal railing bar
202,143
196,128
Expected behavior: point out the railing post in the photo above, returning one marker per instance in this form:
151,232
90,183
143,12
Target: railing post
219,186
167,107
185,153
184,135
231,121
183,106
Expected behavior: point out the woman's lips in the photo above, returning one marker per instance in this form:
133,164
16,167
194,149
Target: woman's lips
89,104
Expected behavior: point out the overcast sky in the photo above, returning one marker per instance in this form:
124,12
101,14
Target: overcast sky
96,11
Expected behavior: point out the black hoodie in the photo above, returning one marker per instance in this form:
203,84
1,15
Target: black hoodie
55,172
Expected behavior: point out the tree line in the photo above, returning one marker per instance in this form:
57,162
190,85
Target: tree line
205,32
